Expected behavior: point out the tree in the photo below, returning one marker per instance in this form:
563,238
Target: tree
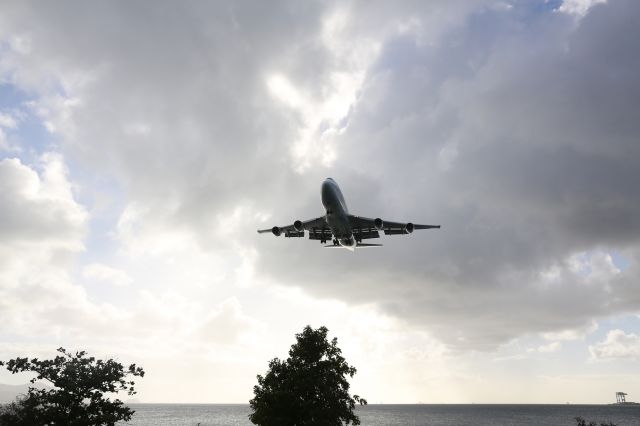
309,388
77,396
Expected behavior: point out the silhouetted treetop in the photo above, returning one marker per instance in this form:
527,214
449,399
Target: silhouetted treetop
309,388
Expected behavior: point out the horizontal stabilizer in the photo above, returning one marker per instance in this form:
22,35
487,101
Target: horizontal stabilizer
363,245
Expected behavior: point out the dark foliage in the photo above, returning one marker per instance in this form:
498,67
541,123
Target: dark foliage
77,397
583,422
309,388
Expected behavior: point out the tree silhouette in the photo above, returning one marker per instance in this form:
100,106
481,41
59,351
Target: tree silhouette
78,393
309,388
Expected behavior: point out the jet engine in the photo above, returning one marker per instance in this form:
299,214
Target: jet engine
298,226
276,231
377,222
408,228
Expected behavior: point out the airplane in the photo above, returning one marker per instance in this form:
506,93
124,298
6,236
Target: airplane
340,227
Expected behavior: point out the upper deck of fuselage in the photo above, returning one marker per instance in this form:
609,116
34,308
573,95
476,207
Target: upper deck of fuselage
332,198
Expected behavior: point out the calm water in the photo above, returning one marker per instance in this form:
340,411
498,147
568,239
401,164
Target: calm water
396,415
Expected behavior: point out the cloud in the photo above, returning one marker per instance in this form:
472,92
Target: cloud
104,273
7,121
42,228
514,128
617,345
3,141
542,135
228,324
549,348
38,208
571,334
43,233
578,7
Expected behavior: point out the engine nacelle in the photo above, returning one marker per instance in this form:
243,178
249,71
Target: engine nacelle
408,228
378,223
298,226
276,231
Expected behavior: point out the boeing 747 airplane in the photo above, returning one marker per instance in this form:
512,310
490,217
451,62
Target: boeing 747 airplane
340,227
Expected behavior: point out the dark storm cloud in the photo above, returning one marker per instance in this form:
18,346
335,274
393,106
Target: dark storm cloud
514,128
540,122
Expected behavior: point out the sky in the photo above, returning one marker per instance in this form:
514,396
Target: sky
141,146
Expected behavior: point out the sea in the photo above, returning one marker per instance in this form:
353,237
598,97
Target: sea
401,415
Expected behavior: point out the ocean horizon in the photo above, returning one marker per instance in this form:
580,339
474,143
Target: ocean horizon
169,414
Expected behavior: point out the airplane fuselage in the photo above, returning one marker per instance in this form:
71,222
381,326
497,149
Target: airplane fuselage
337,214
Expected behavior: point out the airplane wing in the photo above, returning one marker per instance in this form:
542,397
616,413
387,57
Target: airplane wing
317,227
365,227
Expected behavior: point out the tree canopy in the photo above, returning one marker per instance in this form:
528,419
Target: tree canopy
309,388
78,393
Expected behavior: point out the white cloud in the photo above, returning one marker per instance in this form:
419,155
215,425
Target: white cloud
617,345
39,208
549,348
283,90
7,121
320,119
104,273
578,7
42,229
228,324
56,111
